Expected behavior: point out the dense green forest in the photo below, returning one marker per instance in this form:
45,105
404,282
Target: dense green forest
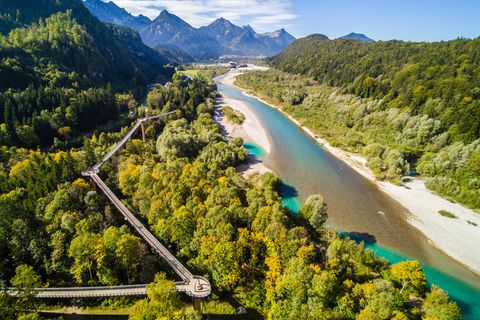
56,72
396,143
60,231
106,53
439,79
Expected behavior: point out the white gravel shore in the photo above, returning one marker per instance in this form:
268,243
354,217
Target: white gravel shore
250,130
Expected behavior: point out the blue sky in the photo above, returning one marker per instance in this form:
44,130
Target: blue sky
414,20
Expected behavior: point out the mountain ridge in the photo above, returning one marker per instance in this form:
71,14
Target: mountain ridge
169,29
360,37
111,13
220,37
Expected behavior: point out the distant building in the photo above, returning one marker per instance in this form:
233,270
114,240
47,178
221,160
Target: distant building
233,64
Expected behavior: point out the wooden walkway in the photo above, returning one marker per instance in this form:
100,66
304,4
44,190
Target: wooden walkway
192,285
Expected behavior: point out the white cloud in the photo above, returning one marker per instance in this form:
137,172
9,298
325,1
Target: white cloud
263,15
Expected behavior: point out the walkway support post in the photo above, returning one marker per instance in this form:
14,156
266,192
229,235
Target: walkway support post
93,185
197,305
143,131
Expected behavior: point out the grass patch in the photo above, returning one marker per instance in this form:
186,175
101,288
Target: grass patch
191,72
207,71
447,214
219,308
472,223
232,115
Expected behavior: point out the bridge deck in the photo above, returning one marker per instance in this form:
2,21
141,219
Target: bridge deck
182,272
93,292
86,292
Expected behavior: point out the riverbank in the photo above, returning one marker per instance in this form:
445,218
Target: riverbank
250,131
457,237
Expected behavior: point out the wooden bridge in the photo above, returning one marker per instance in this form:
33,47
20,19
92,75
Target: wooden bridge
85,292
192,285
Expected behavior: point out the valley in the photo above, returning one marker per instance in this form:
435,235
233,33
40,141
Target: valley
181,160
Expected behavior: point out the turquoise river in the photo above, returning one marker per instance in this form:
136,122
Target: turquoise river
356,206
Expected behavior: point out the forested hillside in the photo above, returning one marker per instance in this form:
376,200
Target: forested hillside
58,230
420,111
57,70
439,79
395,142
113,61
183,182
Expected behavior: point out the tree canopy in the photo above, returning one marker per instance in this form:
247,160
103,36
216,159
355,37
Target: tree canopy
438,79
395,142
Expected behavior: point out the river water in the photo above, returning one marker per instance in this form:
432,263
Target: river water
355,205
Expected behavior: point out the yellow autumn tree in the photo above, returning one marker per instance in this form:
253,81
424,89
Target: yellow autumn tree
409,274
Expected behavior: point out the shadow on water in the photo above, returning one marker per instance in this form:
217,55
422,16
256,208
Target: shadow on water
254,150
289,197
358,237
255,156
287,191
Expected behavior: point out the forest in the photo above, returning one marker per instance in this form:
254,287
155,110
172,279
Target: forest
58,230
437,79
233,230
56,71
94,52
396,142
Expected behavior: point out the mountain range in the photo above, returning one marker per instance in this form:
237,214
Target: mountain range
221,37
245,41
358,37
169,29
